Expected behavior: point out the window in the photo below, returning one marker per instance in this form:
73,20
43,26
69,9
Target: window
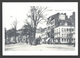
62,29
62,39
72,39
70,30
67,40
67,35
62,35
67,29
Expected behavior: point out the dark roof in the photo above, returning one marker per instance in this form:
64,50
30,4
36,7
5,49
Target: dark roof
53,16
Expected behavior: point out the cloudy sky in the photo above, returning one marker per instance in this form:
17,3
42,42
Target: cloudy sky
18,10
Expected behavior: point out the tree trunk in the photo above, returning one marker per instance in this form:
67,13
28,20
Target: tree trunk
34,31
26,39
15,34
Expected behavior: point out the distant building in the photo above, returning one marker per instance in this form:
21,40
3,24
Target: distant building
41,32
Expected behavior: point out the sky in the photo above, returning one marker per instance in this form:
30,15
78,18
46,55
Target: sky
18,10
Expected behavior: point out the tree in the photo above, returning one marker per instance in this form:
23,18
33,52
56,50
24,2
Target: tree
14,26
36,15
27,31
9,34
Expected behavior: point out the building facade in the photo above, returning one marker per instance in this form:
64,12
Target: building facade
63,34
63,28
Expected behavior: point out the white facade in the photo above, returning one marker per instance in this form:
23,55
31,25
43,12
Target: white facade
62,17
62,34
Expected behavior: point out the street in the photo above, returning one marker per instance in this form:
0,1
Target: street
42,47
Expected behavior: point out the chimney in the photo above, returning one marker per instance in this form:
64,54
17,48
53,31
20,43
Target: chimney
64,13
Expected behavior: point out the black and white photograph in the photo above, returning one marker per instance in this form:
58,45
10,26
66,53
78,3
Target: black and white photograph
40,28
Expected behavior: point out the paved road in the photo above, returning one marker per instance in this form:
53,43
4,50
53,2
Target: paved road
42,47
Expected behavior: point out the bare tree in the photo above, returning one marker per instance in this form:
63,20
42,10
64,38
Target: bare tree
14,26
28,30
36,15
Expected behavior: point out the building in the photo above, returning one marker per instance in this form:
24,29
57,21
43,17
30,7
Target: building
63,34
60,26
51,24
41,32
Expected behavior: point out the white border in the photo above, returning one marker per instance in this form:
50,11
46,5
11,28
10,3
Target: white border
20,53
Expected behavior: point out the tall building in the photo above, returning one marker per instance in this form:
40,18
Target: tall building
63,28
